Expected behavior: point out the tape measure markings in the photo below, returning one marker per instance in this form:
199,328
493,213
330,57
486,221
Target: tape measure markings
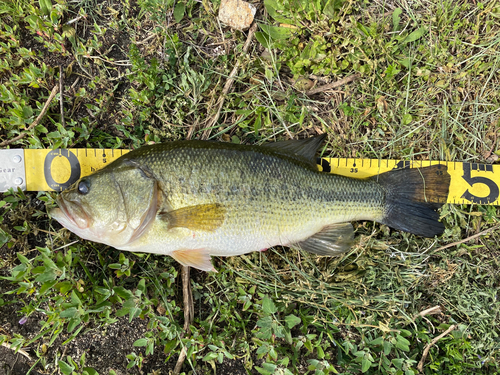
45,170
470,182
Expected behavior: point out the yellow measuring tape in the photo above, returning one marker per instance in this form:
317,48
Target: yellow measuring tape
47,170
60,168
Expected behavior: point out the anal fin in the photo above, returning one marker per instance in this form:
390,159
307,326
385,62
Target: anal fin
196,258
332,240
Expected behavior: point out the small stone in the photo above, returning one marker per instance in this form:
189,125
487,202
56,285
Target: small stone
266,55
161,309
303,84
237,14
492,158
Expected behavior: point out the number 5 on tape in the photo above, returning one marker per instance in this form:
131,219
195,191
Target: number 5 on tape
470,182
492,196
43,170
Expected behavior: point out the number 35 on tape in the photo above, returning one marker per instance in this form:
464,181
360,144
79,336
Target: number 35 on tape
46,170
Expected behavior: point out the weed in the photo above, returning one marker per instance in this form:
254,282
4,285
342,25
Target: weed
153,71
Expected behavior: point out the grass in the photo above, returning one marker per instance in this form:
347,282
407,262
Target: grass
153,71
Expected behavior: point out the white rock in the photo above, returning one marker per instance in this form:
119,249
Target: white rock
237,14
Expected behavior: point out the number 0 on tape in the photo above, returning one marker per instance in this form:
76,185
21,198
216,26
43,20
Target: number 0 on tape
45,170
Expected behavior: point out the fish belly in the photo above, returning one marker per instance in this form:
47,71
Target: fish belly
231,239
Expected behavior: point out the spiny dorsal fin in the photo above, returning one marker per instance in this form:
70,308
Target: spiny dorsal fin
305,148
332,240
205,217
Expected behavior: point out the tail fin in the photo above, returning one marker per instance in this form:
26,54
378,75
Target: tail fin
412,196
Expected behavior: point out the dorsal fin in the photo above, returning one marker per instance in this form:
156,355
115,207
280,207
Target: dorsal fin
305,148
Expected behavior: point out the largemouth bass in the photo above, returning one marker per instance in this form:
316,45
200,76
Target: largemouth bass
195,199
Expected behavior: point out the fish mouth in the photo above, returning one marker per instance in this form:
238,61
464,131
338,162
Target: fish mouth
70,216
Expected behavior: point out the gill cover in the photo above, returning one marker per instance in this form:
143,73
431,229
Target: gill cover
114,206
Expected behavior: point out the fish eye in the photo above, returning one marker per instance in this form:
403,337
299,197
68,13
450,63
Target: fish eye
83,187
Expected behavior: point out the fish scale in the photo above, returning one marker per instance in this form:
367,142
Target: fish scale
194,199
264,195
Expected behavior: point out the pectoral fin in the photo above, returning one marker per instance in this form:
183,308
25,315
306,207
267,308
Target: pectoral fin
204,217
197,258
332,240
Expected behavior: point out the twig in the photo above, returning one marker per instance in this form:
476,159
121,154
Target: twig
49,232
180,361
490,152
333,85
75,83
429,311
229,83
37,120
61,99
144,41
187,297
5,345
420,365
74,20
468,238
108,61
